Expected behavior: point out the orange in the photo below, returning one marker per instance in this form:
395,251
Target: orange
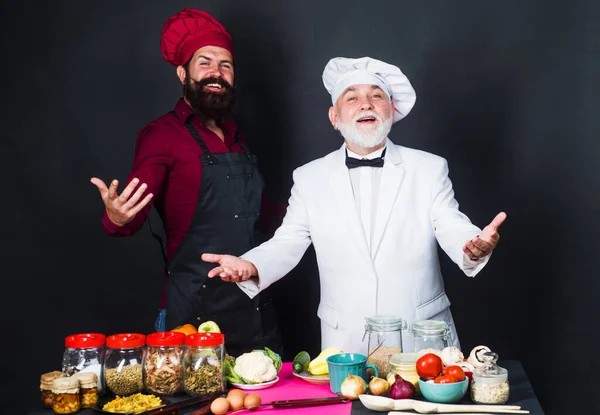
186,329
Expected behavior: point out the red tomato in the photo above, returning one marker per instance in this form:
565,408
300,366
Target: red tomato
445,379
456,372
429,366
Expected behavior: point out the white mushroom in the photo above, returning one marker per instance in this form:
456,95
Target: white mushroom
451,355
465,366
475,358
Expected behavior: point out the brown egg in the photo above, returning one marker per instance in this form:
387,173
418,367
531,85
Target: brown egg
236,400
252,401
219,406
237,392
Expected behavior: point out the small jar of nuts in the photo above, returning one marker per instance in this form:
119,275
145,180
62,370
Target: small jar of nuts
203,363
46,387
88,388
490,382
163,363
123,363
66,395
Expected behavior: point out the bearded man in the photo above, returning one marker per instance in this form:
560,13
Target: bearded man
375,213
197,168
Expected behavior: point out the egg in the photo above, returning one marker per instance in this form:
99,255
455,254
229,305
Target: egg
237,392
219,406
252,401
236,400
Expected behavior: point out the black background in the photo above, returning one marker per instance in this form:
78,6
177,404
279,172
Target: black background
507,93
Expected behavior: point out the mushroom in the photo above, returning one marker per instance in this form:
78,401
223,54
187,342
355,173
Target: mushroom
451,355
475,358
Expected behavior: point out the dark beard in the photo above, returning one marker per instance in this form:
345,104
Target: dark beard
207,105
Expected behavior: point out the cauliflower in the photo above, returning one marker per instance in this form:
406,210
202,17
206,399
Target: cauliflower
255,367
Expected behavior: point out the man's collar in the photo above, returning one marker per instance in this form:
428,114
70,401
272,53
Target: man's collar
375,154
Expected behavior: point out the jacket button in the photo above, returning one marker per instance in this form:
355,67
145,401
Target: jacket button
235,216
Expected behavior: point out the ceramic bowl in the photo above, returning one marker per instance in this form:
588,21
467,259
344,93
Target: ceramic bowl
444,392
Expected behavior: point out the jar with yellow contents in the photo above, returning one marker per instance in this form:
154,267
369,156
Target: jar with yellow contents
66,395
88,388
46,387
405,365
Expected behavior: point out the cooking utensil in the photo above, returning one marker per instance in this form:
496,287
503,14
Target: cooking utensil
297,403
383,404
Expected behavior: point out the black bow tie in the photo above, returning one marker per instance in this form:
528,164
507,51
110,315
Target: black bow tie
352,162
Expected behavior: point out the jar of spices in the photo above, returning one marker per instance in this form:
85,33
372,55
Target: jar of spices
85,353
88,389
46,387
430,334
203,363
163,366
66,395
490,382
385,340
123,363
405,365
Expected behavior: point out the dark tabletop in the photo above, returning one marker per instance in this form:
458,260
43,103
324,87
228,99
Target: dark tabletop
521,392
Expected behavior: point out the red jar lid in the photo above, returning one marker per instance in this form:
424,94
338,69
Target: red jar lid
165,338
125,340
84,340
205,339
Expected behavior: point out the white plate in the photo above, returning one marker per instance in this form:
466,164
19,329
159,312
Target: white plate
256,386
310,378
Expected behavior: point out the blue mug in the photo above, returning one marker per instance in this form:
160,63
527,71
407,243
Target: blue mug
344,364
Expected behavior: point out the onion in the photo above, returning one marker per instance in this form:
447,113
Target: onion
353,386
378,386
402,389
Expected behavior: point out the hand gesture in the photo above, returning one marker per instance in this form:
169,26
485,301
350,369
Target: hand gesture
483,244
231,268
121,209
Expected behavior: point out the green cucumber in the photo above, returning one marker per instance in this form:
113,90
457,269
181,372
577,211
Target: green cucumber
301,361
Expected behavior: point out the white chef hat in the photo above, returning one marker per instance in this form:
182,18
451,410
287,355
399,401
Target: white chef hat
340,73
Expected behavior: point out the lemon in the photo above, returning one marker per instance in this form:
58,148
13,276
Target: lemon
208,327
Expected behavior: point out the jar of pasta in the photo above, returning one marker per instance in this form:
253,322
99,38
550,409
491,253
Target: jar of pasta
203,363
46,387
66,395
123,363
163,366
88,389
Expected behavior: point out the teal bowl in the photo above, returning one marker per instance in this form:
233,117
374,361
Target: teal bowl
444,392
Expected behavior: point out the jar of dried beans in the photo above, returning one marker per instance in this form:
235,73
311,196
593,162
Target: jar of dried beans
490,382
66,395
385,340
88,389
203,363
163,367
85,353
46,387
123,363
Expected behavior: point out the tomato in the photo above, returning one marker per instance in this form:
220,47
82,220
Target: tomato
445,379
429,366
455,371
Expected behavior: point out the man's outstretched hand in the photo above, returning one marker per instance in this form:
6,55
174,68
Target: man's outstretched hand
231,268
483,244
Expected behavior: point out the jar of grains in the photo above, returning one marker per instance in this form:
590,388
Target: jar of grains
88,388
46,387
66,395
123,363
85,353
430,334
385,340
405,365
203,363
163,367
490,382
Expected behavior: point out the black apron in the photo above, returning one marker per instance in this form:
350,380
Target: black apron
225,222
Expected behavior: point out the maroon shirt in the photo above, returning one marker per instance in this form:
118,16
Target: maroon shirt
167,159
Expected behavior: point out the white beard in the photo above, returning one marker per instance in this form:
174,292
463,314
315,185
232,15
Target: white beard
366,136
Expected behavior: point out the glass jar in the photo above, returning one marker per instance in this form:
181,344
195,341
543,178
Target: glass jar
66,395
46,387
430,334
88,388
405,365
163,367
385,340
123,363
203,363
85,353
490,382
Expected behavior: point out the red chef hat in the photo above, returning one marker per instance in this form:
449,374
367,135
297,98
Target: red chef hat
189,30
